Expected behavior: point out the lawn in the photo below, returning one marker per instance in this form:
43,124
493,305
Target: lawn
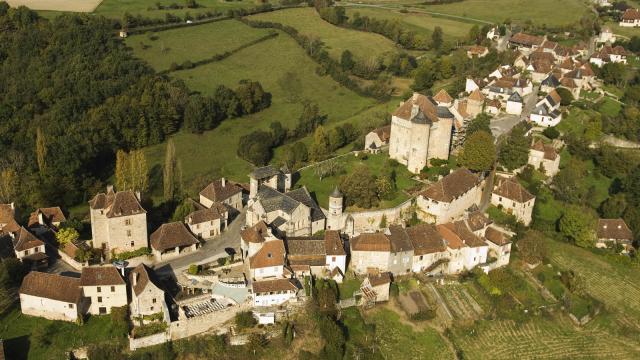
376,163
609,107
195,43
18,330
542,337
421,23
547,12
349,285
147,8
597,183
363,45
213,153
624,31
548,276
399,341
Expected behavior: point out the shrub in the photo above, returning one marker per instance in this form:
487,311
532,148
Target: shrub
193,269
149,329
551,133
245,319
132,254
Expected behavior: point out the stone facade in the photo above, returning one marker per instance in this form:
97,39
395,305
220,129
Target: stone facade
450,197
545,157
421,130
514,199
118,222
147,298
49,308
104,298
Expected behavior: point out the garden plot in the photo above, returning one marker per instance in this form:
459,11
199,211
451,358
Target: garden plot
58,5
413,303
460,303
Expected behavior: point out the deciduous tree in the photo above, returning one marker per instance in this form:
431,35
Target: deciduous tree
478,152
578,224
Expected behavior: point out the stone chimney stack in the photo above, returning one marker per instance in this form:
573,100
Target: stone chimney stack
138,195
135,278
224,182
40,218
414,110
109,188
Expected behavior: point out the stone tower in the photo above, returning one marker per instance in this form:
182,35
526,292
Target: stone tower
335,210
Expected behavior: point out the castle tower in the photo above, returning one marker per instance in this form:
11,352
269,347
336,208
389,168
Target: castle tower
335,210
287,178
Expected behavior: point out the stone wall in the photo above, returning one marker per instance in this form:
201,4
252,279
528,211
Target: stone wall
197,325
150,340
369,221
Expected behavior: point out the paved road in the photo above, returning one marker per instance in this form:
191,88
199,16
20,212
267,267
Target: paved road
503,124
211,250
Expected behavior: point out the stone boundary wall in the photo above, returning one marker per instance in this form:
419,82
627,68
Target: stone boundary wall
150,340
188,327
71,261
368,221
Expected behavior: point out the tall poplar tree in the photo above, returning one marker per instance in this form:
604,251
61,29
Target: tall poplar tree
169,171
41,151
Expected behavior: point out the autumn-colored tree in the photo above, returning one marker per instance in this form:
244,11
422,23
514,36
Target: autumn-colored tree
67,235
122,171
478,152
8,184
41,151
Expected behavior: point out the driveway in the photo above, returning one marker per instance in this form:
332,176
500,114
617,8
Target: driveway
502,124
211,250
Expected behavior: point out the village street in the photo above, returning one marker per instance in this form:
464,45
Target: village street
211,250
503,124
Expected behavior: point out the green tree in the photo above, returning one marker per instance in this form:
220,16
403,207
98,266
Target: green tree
359,188
566,98
578,224
41,151
320,147
568,184
170,172
437,38
245,319
138,171
346,60
482,122
478,152
614,207
8,185
551,132
475,36
67,235
514,152
122,171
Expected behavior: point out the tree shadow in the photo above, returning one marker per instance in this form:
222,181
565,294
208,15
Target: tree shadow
17,348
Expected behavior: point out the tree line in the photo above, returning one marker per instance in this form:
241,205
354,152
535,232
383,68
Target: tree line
72,95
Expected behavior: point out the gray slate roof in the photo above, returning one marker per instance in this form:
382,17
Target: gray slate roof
264,172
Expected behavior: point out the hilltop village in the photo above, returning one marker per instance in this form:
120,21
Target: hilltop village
498,198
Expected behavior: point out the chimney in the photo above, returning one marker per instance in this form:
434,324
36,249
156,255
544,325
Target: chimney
40,218
224,182
138,195
415,96
135,278
414,110
109,188
13,206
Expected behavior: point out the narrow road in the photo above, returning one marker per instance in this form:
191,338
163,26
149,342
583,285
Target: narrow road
211,250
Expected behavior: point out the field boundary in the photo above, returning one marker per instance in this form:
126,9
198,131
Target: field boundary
220,57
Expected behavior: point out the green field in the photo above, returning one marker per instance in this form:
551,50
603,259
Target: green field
213,153
547,12
195,43
377,164
363,45
147,8
21,337
624,31
419,22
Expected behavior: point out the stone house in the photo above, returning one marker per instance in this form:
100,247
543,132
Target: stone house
51,296
29,249
525,43
609,54
385,251
544,156
375,287
630,18
448,198
294,213
547,111
465,250
377,138
269,176
421,130
514,104
316,255
8,222
477,51
252,238
606,36
614,231
147,295
118,222
207,223
222,191
514,199
429,248
493,107
499,247
171,240
475,103
268,262
104,288
45,221
549,84
274,292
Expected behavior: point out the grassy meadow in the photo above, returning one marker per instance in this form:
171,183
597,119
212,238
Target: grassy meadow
213,153
200,42
377,164
362,44
421,23
547,12
147,8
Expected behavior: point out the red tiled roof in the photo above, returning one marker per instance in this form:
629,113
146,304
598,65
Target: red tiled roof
512,190
171,235
272,253
443,97
452,186
548,150
216,191
614,229
371,242
100,276
631,14
52,286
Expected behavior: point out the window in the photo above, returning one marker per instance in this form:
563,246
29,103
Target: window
212,233
153,300
70,306
113,289
129,233
151,308
127,222
421,257
333,259
26,252
99,299
197,226
133,244
99,289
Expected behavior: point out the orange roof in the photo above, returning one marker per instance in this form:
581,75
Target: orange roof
272,253
443,97
476,95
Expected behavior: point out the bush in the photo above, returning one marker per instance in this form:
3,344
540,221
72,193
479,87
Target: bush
394,290
149,329
131,254
194,269
551,133
245,319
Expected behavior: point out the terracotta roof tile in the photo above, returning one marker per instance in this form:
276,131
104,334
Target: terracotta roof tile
334,246
512,190
122,203
426,106
272,253
217,211
452,186
256,233
267,286
443,97
379,279
425,239
384,133
145,275
50,215
497,237
171,235
526,39
25,240
476,95
631,14
218,192
100,275
371,242
548,150
614,229
52,286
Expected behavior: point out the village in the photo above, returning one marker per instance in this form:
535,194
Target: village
259,246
